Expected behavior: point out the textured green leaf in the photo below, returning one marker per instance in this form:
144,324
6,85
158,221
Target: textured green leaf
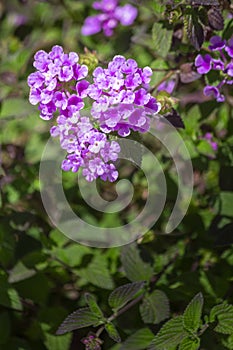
90,299
162,39
224,314
139,340
192,313
123,294
155,307
135,268
189,344
97,273
170,335
112,332
79,319
194,30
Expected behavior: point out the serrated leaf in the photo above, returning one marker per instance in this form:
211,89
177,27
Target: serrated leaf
189,344
155,307
94,307
139,340
135,268
194,30
170,335
112,332
215,17
97,273
224,315
192,313
162,39
79,319
123,294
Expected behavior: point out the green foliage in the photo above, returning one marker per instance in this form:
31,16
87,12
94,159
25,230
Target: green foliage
122,295
44,276
192,314
224,315
81,318
112,332
170,335
155,307
162,39
139,340
135,268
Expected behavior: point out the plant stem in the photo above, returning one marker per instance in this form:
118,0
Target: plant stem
166,77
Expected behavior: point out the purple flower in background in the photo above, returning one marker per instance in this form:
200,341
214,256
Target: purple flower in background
203,63
167,86
209,137
213,91
229,47
217,43
109,17
221,63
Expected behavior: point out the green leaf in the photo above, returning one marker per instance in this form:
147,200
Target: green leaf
155,307
54,342
226,200
162,39
16,107
97,273
79,319
112,332
122,295
20,272
189,344
194,30
90,299
135,268
205,148
224,314
170,335
138,341
192,313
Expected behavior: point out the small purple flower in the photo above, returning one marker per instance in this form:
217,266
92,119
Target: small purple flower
209,137
214,91
167,86
218,64
217,43
203,63
229,47
229,69
126,14
110,15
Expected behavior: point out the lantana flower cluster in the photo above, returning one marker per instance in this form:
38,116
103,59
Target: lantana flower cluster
120,101
221,60
109,16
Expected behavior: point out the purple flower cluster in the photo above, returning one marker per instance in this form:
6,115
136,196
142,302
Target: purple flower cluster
120,99
124,84
111,14
58,84
223,63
